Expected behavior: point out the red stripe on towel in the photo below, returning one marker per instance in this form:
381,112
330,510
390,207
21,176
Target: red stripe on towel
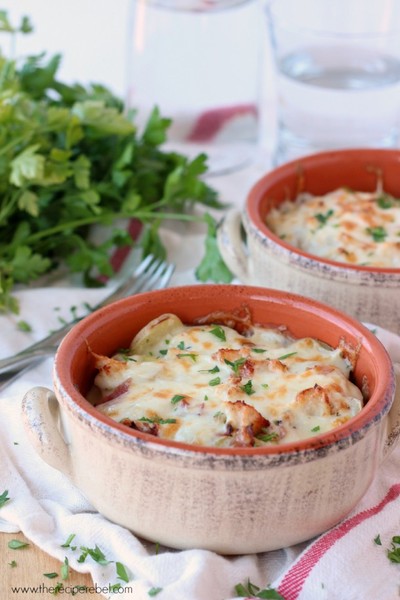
120,254
292,583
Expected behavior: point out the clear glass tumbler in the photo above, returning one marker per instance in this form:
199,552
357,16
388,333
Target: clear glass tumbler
199,61
338,74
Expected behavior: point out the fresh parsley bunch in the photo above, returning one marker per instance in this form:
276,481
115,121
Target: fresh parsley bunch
70,158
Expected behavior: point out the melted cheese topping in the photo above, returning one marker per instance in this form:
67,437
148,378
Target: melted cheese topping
352,227
209,385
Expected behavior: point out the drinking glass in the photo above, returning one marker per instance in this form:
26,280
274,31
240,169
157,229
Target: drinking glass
199,61
338,74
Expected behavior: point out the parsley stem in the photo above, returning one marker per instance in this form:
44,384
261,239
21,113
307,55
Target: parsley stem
13,143
105,218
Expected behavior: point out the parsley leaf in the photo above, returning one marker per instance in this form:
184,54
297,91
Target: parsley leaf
323,218
72,157
286,355
67,543
122,572
157,420
213,370
394,553
236,364
24,326
384,201
17,544
219,333
212,266
268,437
4,498
65,569
247,388
191,355
95,553
378,233
177,398
250,590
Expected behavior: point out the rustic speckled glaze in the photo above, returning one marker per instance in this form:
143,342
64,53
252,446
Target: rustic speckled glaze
230,500
367,293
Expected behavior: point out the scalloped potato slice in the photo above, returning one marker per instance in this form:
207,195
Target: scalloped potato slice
155,333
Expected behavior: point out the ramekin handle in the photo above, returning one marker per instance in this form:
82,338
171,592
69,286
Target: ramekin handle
231,246
393,418
40,412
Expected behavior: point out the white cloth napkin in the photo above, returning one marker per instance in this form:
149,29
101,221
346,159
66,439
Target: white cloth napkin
345,562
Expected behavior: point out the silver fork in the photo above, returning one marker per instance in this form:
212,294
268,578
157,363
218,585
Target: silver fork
150,274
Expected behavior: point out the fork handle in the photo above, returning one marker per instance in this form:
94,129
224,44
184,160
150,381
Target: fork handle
48,345
25,358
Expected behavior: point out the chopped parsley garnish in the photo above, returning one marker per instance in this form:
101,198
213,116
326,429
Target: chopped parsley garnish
94,553
236,364
67,543
215,381
258,350
129,359
65,569
4,498
125,355
122,572
247,388
316,428
50,575
58,588
164,352
378,233
221,416
213,370
219,333
188,355
250,590
181,345
13,563
268,437
154,591
17,544
157,420
394,554
384,201
322,218
24,326
177,398
265,385
286,355
377,540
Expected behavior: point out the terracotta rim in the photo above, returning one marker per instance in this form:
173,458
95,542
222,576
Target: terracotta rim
376,408
299,167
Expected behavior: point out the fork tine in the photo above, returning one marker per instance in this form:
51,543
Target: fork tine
156,277
144,279
133,283
165,277
152,273
142,266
